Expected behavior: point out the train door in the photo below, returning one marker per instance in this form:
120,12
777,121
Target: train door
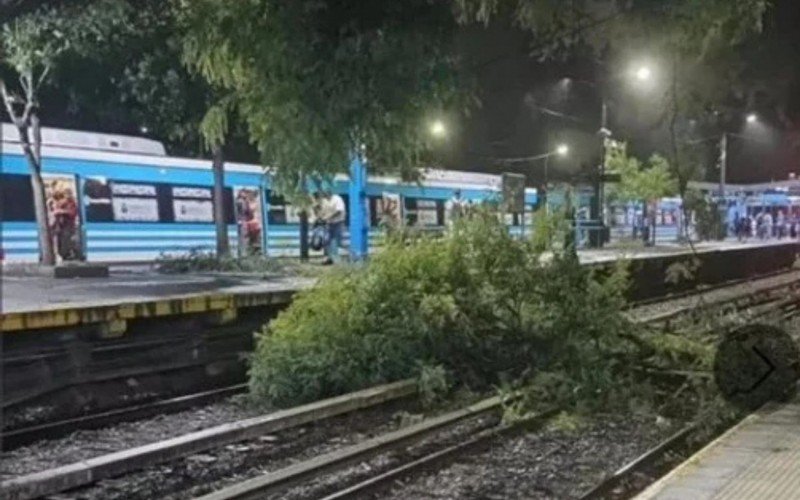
64,216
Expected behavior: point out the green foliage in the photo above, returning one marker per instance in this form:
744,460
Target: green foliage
710,224
316,80
34,42
433,384
478,303
199,261
639,182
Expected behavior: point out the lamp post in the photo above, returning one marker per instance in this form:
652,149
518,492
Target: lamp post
641,75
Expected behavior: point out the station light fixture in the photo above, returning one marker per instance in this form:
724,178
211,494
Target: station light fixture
644,74
438,129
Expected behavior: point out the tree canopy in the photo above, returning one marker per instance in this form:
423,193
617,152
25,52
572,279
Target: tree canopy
315,81
639,181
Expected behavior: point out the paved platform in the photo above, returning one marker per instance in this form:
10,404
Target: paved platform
31,301
39,302
664,249
758,458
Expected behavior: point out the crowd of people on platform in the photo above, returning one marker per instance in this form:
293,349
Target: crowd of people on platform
764,226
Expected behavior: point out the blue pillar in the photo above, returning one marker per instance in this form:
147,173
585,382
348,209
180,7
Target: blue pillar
359,236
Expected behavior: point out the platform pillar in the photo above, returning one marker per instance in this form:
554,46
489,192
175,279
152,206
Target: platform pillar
359,231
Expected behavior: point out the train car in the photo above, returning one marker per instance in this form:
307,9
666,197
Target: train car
135,203
624,218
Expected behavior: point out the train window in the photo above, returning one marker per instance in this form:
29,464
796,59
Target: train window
277,209
422,212
97,200
118,201
16,198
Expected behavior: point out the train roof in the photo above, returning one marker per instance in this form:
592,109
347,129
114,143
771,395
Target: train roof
115,148
73,139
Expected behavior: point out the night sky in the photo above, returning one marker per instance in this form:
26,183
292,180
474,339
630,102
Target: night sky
527,110
520,96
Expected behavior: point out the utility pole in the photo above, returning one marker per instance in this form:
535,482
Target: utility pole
723,166
596,237
723,162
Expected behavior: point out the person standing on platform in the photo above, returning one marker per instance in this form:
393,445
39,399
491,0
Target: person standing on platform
780,225
456,207
65,224
768,220
333,213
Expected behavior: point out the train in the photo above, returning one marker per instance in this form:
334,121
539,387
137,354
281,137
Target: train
137,203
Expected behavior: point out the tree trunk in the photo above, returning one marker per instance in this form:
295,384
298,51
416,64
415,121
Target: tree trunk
33,152
220,222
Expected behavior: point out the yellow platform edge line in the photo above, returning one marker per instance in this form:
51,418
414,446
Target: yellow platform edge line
170,306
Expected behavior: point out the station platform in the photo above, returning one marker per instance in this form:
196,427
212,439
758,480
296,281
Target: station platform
29,302
32,302
668,249
757,458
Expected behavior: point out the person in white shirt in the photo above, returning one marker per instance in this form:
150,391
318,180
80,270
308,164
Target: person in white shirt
455,207
333,213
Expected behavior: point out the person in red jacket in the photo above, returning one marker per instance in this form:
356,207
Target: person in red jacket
65,224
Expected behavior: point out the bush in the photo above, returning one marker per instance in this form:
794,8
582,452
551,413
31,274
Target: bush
476,302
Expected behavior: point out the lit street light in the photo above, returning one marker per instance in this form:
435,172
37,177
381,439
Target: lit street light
752,118
438,129
562,150
643,74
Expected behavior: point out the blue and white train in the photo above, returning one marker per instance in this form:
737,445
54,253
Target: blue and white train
137,204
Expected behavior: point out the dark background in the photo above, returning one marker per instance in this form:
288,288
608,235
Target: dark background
527,110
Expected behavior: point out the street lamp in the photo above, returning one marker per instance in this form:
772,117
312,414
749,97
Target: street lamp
438,129
562,150
752,118
643,74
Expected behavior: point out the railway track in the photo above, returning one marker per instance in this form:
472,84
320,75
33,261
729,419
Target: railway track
783,297
25,435
14,437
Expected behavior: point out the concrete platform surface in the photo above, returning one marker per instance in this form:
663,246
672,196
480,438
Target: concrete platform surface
21,294
757,458
127,285
663,249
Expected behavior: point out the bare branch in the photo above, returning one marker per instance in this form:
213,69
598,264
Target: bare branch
8,102
42,77
23,82
26,114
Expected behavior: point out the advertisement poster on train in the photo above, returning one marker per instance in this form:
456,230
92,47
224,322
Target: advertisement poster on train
427,213
134,202
389,210
192,204
131,209
63,215
247,202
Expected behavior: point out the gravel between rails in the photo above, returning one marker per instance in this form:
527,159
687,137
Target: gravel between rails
91,443
715,295
328,483
550,463
202,473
